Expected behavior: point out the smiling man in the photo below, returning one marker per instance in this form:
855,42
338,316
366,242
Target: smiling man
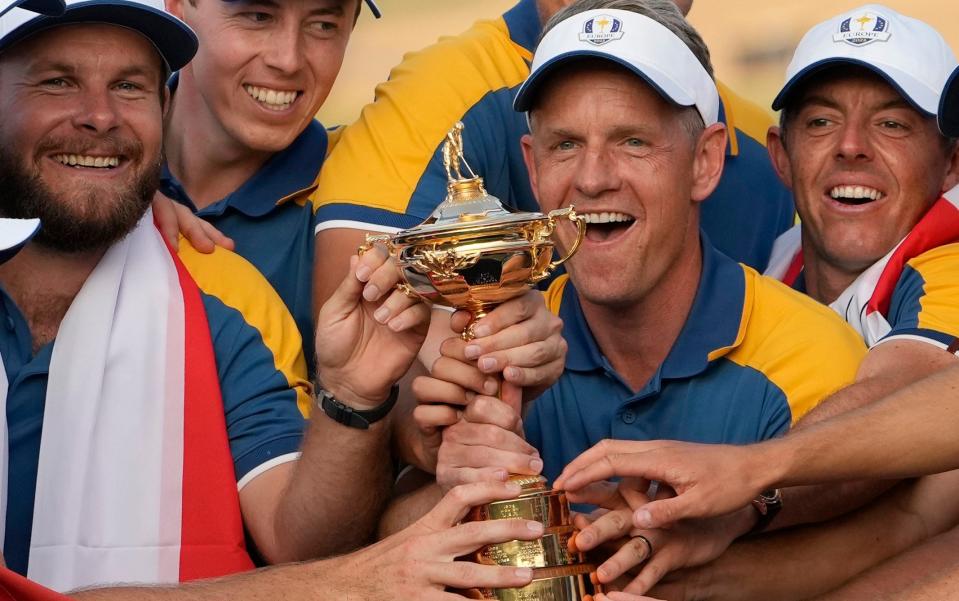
242,147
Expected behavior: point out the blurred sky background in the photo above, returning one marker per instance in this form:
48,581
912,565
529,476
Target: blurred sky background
751,41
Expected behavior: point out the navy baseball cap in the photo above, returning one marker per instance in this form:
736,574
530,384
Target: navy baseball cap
949,107
172,38
44,7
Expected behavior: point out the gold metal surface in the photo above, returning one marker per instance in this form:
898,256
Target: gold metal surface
551,509
551,550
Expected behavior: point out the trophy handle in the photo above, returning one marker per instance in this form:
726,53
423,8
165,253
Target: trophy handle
570,214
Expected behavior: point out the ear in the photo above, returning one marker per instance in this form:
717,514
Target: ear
165,101
708,159
776,147
952,174
175,8
526,143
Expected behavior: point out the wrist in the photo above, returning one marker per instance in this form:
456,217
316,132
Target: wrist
351,398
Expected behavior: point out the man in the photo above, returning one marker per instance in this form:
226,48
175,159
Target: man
150,417
387,170
656,319
243,110
859,147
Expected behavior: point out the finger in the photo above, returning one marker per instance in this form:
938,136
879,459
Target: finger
630,555
448,477
467,575
651,573
515,311
540,375
666,512
192,229
218,237
611,465
455,504
600,494
621,596
429,418
470,536
491,410
165,217
413,317
459,320
473,434
465,375
600,450
615,524
457,455
533,354
382,276
431,390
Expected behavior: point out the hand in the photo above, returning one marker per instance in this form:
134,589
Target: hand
173,219
520,339
486,444
710,480
418,562
368,332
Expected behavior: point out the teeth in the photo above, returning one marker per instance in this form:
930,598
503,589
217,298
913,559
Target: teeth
855,192
82,160
273,99
606,217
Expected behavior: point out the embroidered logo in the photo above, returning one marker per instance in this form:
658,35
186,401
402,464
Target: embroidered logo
601,29
864,29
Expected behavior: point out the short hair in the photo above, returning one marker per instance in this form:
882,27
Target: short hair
667,14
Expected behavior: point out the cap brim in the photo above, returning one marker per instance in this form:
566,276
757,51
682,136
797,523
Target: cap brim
526,95
14,235
949,107
893,77
173,39
42,7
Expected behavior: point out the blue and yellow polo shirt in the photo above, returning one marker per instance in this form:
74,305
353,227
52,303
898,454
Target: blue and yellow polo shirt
752,358
271,220
387,172
261,370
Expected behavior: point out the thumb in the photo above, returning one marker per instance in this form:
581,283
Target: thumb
346,296
666,512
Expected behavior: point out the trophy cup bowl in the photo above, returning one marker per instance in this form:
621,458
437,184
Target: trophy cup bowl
474,254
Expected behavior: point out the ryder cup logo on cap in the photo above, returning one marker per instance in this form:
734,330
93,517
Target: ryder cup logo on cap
602,29
868,27
650,51
909,54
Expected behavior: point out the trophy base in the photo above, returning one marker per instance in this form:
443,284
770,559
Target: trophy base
570,583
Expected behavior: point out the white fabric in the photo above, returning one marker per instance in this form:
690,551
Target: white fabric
638,43
109,480
907,51
785,249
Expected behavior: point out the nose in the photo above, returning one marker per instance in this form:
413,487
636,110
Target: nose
284,51
96,112
853,142
594,174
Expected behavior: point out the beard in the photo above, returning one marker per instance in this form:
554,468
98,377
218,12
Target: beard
91,216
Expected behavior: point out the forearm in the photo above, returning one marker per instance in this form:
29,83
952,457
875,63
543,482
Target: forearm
338,489
407,508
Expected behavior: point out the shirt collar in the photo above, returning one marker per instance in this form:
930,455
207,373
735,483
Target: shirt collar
715,324
286,174
524,25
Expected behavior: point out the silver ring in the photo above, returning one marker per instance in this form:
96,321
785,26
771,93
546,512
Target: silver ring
649,545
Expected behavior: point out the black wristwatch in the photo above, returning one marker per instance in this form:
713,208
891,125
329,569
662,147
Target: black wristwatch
355,418
767,505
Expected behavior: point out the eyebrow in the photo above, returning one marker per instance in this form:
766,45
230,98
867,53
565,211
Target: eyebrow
68,69
336,10
816,99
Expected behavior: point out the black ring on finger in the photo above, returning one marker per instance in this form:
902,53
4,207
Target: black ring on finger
649,546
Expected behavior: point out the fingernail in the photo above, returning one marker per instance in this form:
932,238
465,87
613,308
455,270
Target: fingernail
482,330
381,314
396,325
501,475
487,364
371,292
524,573
472,351
490,387
363,273
594,577
513,487
643,518
511,373
584,538
535,527
536,465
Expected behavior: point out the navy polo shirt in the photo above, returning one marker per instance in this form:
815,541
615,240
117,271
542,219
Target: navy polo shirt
752,357
270,218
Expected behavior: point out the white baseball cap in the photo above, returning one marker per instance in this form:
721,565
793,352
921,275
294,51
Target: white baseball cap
44,7
909,54
634,41
14,235
173,38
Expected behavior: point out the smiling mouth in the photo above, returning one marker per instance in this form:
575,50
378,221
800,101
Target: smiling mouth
274,100
601,227
87,161
855,195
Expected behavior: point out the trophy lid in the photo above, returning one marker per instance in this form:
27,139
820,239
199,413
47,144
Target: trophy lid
468,207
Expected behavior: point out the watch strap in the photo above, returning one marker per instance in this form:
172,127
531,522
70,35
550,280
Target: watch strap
767,505
361,419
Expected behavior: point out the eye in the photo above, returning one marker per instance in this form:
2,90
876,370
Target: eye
890,124
257,17
819,122
55,83
324,26
635,142
566,145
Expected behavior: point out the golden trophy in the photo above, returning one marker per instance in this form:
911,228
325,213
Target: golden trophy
473,254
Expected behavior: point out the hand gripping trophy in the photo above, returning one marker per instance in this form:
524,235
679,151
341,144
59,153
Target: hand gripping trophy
473,254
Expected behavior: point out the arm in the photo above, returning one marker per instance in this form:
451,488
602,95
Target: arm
417,563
